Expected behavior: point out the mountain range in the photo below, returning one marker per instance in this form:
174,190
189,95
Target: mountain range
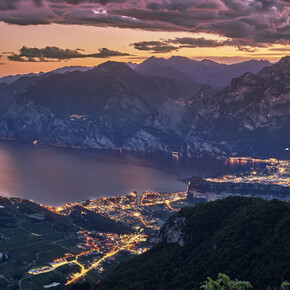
206,71
160,105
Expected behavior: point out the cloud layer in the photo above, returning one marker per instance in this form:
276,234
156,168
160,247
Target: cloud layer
52,53
169,45
251,22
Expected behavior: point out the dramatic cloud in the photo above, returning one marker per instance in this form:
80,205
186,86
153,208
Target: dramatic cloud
8,4
258,22
281,49
169,45
16,4
52,53
77,2
155,46
17,57
1,63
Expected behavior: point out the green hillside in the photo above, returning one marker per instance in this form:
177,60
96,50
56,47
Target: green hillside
245,238
93,221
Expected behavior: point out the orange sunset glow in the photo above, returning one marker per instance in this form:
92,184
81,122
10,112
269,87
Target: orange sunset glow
129,29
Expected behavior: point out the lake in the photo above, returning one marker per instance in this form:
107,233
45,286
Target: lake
55,176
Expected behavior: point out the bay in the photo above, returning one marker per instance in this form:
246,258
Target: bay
55,176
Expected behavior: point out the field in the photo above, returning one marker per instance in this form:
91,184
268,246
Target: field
44,246
27,242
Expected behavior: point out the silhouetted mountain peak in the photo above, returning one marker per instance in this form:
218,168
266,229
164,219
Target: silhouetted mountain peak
154,60
285,60
177,57
280,69
67,69
243,83
207,88
132,65
205,94
113,65
208,61
119,69
256,61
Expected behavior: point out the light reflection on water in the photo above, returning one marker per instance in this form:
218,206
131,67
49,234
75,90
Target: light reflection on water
54,176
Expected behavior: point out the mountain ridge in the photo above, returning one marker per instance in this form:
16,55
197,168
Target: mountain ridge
113,106
166,62
205,71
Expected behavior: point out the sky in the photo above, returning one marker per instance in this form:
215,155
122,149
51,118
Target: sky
42,35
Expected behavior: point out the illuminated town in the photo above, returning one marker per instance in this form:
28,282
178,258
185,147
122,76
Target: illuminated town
275,172
99,251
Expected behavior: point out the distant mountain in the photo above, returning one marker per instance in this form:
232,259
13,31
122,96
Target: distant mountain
67,69
131,64
249,117
102,107
10,79
204,72
253,111
113,106
245,238
180,68
154,66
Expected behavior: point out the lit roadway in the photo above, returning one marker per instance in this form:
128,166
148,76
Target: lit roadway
127,244
163,199
84,271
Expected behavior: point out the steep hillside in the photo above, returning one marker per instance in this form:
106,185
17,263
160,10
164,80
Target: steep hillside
92,221
251,114
245,238
101,107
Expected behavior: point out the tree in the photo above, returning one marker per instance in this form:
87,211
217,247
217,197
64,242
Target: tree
285,285
224,282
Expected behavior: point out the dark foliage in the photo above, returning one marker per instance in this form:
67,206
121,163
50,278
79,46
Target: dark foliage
89,220
245,238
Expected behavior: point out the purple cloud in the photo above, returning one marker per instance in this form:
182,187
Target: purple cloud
168,45
256,22
155,46
52,53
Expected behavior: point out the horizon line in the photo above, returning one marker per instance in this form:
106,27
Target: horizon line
198,59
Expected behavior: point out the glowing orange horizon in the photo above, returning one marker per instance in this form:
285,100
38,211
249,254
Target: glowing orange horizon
90,39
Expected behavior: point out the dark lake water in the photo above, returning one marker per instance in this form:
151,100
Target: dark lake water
55,176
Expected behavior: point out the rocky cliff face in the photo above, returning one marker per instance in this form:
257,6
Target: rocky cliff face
200,190
251,115
113,106
172,232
